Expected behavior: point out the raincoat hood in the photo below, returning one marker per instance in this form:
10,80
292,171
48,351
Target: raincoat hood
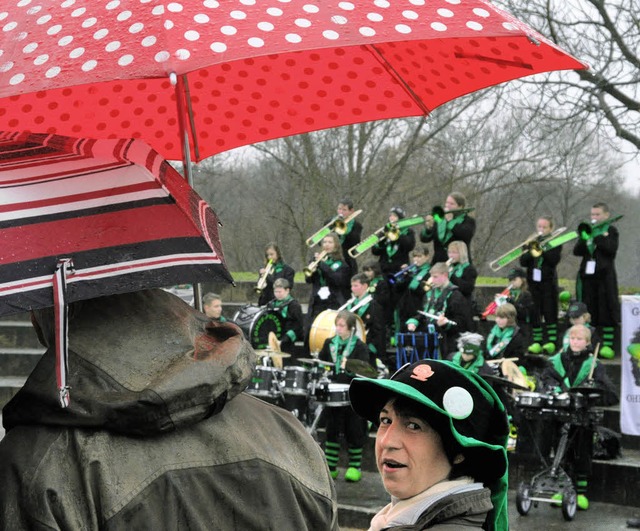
139,363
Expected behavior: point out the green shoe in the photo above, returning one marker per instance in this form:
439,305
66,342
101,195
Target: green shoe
557,499
607,353
334,473
535,348
583,502
353,474
549,348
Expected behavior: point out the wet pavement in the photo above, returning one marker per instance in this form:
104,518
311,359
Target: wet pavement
360,501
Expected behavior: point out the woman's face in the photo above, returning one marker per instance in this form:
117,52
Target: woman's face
450,204
517,282
502,322
271,254
409,454
328,244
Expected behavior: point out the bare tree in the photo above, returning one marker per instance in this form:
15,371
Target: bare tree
606,35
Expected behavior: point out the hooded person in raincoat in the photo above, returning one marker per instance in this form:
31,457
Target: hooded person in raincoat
157,434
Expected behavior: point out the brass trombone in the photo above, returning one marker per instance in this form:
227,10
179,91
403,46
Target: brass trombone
534,244
586,229
337,224
262,281
439,212
311,268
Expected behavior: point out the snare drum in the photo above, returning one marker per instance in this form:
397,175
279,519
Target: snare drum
265,382
324,327
560,400
332,394
532,400
296,381
256,323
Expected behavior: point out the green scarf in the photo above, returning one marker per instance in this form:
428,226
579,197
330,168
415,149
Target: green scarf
392,247
473,366
445,228
333,264
498,340
583,373
422,272
341,348
458,269
283,305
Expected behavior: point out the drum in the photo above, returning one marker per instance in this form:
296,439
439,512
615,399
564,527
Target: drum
256,323
561,401
332,394
296,381
529,399
265,382
324,327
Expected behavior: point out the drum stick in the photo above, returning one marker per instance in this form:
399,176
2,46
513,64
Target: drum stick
500,360
593,363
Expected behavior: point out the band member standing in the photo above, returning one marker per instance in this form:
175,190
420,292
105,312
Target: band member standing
453,227
330,277
410,286
278,269
353,233
542,279
343,346
597,281
290,313
378,286
462,272
365,306
393,254
445,301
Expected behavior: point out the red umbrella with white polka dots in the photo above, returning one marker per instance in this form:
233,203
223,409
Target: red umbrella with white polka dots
249,70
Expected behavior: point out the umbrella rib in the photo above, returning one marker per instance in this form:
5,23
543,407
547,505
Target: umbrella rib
378,54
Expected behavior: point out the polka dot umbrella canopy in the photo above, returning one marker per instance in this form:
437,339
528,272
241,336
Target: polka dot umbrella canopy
235,72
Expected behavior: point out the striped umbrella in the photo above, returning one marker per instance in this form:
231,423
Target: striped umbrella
82,218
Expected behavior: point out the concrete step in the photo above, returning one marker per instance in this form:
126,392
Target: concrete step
17,332
16,361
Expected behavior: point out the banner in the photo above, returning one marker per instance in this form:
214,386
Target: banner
630,377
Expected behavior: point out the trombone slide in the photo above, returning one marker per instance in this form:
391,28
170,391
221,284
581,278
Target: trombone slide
390,231
536,244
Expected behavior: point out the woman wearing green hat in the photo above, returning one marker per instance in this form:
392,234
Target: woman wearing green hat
440,447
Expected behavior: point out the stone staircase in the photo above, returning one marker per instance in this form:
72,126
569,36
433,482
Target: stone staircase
613,481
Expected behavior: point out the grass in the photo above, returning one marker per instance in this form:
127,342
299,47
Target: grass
565,284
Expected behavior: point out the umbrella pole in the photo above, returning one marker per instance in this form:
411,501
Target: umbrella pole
187,170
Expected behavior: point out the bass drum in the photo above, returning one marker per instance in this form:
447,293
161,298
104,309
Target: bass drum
256,323
324,326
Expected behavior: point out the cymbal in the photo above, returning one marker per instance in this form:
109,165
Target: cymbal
271,353
314,360
504,382
361,368
512,373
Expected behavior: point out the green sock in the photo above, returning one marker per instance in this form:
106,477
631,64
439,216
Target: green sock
332,454
355,457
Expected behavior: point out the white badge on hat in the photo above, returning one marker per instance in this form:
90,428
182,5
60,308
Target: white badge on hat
458,402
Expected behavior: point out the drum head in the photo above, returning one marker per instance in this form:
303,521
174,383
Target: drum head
256,323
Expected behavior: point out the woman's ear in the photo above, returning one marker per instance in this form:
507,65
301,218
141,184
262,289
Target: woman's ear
458,459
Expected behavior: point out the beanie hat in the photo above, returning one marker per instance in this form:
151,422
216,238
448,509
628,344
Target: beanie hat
398,211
